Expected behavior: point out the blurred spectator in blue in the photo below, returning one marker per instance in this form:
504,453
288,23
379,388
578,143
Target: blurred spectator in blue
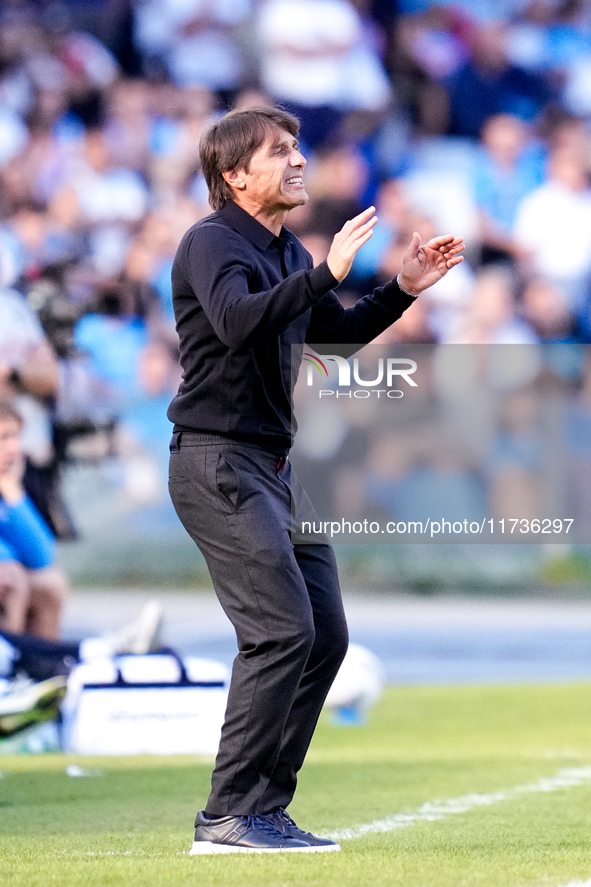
553,37
507,168
35,236
149,258
146,425
167,106
174,162
489,84
128,124
13,135
30,376
32,589
133,368
114,335
28,371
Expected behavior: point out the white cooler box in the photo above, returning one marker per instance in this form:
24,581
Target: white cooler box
154,704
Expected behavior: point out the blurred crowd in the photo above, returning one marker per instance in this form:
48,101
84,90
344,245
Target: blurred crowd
470,117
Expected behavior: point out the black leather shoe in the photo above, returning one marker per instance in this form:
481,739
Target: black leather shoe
284,824
242,834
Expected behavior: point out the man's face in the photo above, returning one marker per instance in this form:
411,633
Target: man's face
274,181
10,445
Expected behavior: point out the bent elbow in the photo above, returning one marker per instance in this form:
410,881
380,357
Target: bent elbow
234,339
236,334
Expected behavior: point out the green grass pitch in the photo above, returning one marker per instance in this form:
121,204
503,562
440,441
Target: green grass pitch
131,825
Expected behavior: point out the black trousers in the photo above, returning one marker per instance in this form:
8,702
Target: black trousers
284,601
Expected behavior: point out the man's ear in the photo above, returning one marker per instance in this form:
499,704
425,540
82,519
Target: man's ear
235,178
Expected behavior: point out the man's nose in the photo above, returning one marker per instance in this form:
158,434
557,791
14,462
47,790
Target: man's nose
297,159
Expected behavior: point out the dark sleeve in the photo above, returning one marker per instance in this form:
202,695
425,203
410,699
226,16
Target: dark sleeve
222,272
332,324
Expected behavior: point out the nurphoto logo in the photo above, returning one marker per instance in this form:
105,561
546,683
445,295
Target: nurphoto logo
389,371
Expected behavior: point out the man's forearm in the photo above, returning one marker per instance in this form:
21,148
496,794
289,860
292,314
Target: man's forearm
333,324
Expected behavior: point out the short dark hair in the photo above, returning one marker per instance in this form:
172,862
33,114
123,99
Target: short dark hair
230,143
9,411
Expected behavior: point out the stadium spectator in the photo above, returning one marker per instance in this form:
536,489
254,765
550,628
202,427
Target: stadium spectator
490,84
115,333
111,201
490,318
196,44
553,225
174,148
32,588
316,58
29,374
39,658
128,124
508,167
33,670
429,46
544,307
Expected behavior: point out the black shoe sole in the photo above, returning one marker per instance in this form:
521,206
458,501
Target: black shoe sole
200,848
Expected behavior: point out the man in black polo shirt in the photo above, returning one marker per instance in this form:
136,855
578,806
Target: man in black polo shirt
244,293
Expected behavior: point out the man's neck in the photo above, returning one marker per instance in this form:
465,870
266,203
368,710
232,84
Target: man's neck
274,221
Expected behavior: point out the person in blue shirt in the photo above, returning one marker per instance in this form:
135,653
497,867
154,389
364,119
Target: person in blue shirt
32,588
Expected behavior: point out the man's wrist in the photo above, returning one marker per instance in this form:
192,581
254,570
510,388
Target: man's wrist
404,289
322,280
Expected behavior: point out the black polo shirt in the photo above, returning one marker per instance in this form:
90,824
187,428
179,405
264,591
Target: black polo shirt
242,298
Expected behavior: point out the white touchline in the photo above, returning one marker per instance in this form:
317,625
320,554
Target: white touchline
578,884
431,811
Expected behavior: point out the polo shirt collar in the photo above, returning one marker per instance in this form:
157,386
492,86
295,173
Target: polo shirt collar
248,226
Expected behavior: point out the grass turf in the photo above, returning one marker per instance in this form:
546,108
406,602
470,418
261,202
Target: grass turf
131,825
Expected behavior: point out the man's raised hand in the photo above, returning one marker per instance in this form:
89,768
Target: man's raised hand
348,241
422,266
